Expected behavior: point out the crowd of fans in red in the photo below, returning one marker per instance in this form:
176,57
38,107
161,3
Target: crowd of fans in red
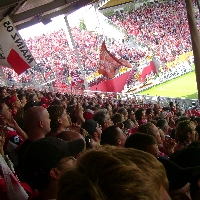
163,27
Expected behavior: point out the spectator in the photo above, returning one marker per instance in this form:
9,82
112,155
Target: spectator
142,142
59,120
102,117
120,176
93,129
185,133
114,136
43,162
37,125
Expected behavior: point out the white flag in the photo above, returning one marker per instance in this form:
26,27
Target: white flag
13,50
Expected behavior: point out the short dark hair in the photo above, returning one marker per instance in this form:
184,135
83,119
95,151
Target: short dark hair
139,141
149,111
109,135
161,123
100,116
138,113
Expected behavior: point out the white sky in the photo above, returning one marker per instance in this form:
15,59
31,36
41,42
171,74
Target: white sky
92,23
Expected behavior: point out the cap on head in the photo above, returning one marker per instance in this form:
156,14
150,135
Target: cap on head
45,153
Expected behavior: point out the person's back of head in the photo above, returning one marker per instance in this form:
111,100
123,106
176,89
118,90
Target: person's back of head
146,128
114,173
36,121
100,116
113,135
142,142
69,135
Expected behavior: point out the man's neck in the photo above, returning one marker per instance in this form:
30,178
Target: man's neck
32,136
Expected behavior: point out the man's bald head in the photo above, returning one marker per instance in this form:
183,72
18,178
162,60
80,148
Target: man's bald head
36,117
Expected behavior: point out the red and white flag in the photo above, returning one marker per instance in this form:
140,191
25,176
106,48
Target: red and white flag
108,63
13,51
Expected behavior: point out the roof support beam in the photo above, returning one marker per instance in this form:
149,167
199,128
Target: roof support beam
9,3
71,8
38,10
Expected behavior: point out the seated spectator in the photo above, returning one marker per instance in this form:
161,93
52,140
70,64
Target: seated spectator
43,162
180,179
123,174
163,125
113,136
165,149
93,129
22,98
69,136
117,119
10,188
190,157
140,116
15,135
58,120
185,133
3,92
130,127
102,117
142,142
37,125
124,112
14,104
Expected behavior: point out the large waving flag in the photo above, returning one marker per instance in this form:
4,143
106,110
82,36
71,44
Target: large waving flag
108,63
13,50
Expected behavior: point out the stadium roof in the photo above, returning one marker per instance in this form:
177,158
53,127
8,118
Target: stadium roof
25,13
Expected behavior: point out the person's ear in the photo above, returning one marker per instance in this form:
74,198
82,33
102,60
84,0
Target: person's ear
41,124
198,183
54,173
59,120
95,134
1,116
119,141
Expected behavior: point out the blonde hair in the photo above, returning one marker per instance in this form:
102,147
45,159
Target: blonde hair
113,173
182,130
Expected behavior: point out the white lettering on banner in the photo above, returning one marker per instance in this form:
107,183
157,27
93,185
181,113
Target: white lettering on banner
19,42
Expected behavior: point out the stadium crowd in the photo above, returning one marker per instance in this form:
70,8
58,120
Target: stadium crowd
56,59
64,146
163,27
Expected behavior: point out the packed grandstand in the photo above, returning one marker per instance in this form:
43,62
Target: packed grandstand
155,33
61,141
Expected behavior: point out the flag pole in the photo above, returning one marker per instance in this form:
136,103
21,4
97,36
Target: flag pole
195,37
76,52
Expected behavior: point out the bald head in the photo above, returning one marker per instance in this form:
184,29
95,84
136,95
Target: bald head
37,118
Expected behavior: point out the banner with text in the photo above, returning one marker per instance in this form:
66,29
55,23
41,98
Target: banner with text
13,51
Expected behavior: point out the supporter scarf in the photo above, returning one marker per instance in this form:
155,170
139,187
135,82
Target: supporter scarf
14,190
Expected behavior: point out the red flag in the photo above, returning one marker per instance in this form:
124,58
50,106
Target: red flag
108,63
17,63
125,63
